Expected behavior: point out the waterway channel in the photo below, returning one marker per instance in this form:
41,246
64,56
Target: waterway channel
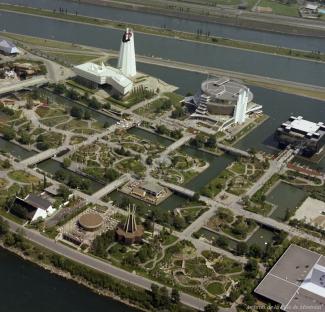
290,41
273,66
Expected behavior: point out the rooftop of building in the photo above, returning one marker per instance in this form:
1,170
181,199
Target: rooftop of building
152,187
105,71
223,88
37,201
301,125
296,281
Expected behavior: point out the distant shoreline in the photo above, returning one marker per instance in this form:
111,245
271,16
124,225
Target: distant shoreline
223,19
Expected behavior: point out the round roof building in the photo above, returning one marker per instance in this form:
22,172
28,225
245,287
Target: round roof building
220,95
90,221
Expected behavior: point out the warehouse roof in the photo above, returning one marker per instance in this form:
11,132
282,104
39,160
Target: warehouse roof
296,280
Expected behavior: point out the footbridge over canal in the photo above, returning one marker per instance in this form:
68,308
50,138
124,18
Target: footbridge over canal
37,158
233,150
178,189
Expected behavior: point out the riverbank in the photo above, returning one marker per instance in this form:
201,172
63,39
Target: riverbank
163,32
64,274
238,18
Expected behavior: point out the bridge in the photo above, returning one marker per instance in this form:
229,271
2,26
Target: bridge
233,150
178,189
111,187
177,144
16,86
37,158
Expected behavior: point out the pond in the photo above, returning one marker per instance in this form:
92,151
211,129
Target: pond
287,198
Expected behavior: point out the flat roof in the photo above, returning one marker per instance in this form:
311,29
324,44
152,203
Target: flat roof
37,201
293,282
305,125
152,187
224,88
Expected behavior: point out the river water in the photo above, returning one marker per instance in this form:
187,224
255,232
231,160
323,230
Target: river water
169,48
26,287
296,42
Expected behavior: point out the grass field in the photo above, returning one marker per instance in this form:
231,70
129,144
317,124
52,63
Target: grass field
22,176
281,9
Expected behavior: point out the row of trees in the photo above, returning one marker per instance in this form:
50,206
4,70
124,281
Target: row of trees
163,130
72,180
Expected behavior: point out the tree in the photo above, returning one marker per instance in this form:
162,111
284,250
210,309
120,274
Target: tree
251,268
8,133
59,88
94,103
25,138
44,181
4,226
76,112
111,174
196,196
241,248
29,103
162,129
211,141
66,162
149,160
212,307
175,296
87,115
222,241
63,192
249,300
255,251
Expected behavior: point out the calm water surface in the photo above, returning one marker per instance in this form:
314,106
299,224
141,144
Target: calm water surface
38,290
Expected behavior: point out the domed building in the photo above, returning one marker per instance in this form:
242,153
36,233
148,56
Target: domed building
90,221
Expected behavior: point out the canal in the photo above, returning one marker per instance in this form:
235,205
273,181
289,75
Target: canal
170,48
282,40
26,287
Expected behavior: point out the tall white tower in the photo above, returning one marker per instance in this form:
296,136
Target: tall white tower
241,107
126,61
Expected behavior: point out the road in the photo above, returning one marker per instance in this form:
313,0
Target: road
101,266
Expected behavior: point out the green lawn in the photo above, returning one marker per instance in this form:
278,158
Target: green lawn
281,9
215,288
22,176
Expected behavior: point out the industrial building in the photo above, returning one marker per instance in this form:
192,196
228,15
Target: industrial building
224,97
307,136
120,78
7,47
296,281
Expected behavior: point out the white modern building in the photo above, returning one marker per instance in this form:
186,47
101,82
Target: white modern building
120,78
126,62
222,100
7,47
101,75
